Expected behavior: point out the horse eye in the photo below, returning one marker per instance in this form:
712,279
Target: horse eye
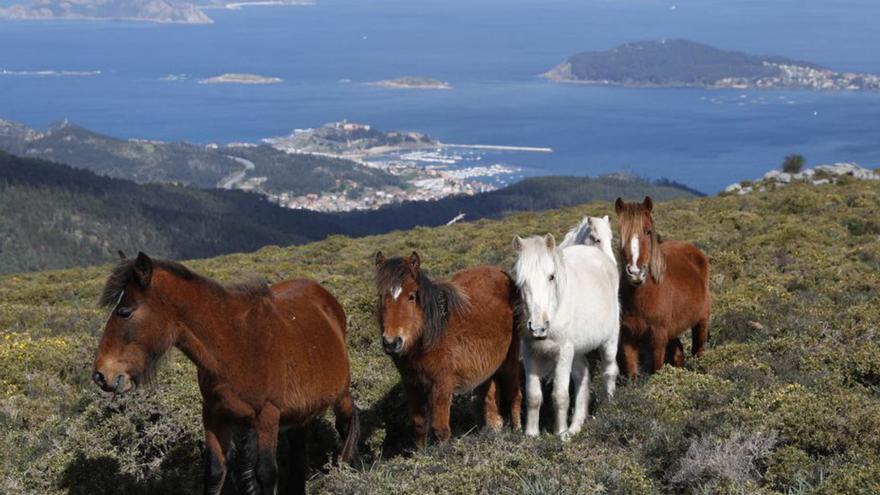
412,296
552,277
648,231
594,239
124,313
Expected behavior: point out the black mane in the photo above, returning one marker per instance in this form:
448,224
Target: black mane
437,300
123,274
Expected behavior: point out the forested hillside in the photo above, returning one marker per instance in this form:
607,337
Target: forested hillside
55,216
785,401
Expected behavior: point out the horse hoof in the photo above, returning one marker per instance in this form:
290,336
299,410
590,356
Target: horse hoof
565,436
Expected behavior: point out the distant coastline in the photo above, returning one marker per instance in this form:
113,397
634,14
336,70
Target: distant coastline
158,11
238,78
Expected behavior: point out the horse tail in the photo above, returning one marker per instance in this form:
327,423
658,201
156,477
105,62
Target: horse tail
353,432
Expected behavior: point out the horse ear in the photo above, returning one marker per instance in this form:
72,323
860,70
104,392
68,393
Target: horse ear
517,243
648,203
415,261
550,241
121,254
618,205
606,219
143,270
380,258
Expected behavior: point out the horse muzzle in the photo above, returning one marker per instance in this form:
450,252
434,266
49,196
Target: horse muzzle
539,333
392,347
119,384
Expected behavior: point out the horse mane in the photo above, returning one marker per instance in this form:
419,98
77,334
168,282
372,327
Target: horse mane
577,235
438,300
529,258
124,272
631,221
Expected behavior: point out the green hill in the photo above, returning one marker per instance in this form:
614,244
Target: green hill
54,216
786,400
186,163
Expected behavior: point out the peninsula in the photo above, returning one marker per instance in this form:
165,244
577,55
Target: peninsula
412,83
683,63
236,78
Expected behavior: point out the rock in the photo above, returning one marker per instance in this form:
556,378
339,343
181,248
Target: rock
744,190
850,169
820,182
804,174
733,188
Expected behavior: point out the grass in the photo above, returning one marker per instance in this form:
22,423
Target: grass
786,400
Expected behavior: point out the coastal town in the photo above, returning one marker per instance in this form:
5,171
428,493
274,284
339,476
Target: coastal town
417,159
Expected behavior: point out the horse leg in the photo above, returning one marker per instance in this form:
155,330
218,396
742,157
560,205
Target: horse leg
246,458
610,371
580,375
490,395
659,343
507,379
561,378
675,353
440,405
218,444
629,349
348,425
415,400
267,448
298,461
700,335
534,396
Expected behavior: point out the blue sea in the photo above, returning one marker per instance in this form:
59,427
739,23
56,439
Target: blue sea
491,51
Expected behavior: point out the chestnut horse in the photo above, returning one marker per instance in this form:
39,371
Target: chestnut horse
450,336
267,357
664,290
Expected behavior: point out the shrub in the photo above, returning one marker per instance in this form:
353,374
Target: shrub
793,163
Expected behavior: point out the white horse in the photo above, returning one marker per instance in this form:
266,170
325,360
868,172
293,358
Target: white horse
592,231
570,297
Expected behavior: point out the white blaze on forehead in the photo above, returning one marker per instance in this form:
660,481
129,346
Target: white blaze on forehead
395,291
634,251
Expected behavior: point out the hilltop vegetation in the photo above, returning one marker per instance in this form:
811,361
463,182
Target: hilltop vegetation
786,400
55,216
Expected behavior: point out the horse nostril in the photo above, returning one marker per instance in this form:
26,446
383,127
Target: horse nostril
118,382
98,377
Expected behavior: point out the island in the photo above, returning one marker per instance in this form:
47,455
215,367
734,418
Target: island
236,78
683,63
411,82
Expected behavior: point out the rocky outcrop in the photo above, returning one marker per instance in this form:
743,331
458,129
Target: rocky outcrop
822,174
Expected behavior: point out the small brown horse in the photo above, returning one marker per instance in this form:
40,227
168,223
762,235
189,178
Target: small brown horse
656,309
267,357
450,336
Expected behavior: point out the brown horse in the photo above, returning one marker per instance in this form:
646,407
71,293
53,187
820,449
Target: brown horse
450,336
267,357
664,290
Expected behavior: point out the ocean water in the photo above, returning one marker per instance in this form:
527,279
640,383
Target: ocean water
491,51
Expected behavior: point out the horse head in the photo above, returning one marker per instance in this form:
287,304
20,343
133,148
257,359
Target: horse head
639,242
538,276
139,329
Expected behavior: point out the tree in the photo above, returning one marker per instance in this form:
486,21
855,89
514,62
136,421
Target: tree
793,163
